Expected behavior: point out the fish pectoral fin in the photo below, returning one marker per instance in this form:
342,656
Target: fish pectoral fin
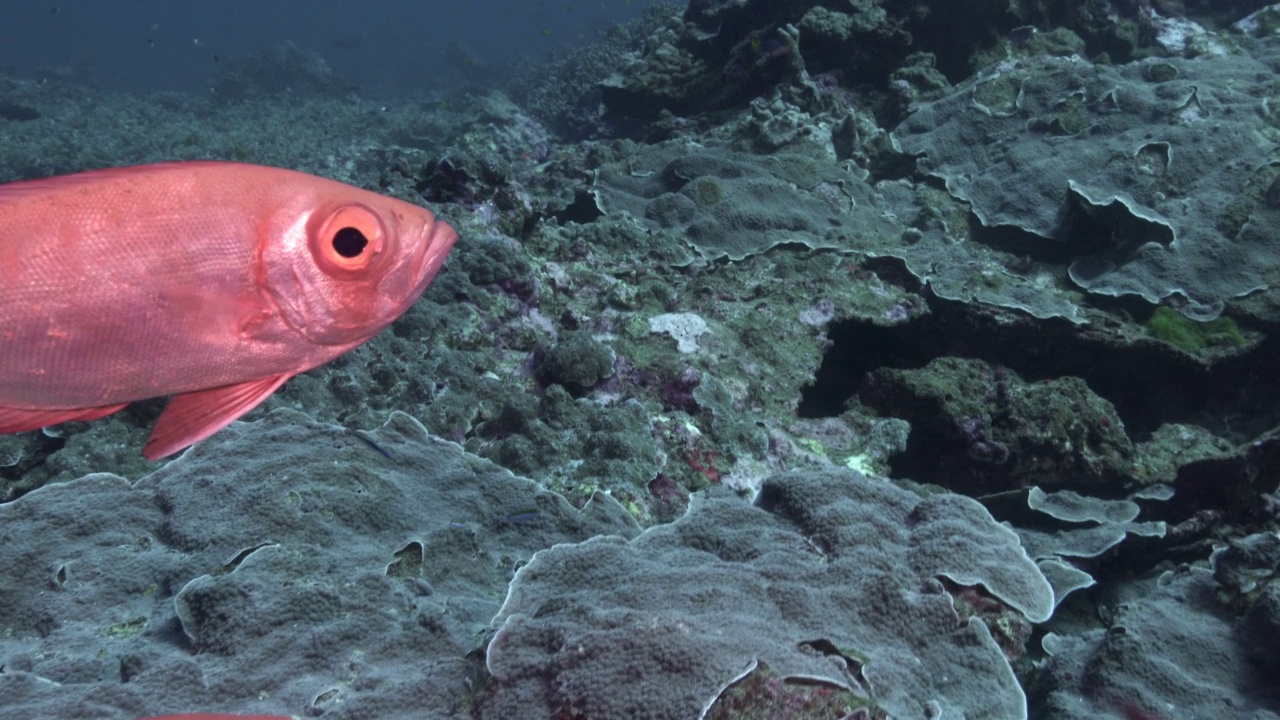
14,420
194,416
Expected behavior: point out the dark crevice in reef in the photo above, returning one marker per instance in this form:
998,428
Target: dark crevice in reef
1148,383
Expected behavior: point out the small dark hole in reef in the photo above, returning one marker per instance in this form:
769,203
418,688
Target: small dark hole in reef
1147,385
856,349
1108,230
582,210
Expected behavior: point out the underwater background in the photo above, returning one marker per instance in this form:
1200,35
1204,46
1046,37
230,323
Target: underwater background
797,359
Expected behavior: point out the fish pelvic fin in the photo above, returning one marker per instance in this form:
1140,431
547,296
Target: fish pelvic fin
194,416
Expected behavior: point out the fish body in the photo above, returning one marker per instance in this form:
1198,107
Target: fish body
212,282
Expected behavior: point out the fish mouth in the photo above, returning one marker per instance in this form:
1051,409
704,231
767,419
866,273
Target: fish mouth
436,244
410,279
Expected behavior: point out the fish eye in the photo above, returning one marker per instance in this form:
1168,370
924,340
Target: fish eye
347,240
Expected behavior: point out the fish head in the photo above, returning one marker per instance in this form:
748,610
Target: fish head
342,270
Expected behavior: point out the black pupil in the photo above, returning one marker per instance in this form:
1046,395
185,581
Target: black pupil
349,242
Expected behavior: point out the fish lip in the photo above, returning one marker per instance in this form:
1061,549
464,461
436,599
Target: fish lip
437,241
423,250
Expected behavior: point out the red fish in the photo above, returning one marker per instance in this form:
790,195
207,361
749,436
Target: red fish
212,282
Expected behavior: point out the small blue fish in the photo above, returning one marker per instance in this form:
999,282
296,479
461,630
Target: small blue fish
521,518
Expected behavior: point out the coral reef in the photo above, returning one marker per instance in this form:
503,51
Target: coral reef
856,359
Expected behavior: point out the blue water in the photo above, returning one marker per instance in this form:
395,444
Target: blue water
388,47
